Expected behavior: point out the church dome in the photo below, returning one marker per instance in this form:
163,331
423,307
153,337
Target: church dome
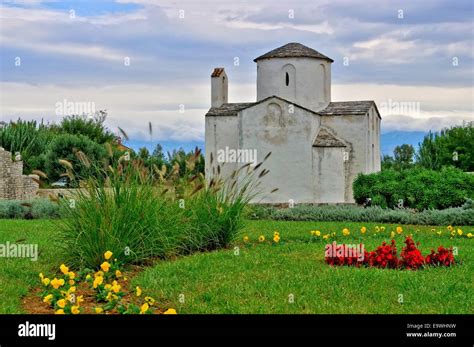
293,50
297,74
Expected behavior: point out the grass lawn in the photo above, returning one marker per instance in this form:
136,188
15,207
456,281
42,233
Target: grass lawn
264,277
19,275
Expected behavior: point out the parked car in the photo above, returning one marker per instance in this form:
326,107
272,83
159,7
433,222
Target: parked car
63,182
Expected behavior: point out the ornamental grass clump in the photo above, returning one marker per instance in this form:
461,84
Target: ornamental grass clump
140,213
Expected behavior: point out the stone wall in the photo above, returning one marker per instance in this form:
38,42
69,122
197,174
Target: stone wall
13,184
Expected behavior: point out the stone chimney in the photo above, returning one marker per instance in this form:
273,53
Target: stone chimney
219,87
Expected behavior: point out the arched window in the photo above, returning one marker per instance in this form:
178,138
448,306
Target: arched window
288,87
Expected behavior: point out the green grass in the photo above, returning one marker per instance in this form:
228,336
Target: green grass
261,278
19,275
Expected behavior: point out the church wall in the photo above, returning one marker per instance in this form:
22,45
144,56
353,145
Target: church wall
310,88
270,127
352,129
328,174
220,132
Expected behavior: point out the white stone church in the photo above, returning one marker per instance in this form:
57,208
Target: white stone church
318,146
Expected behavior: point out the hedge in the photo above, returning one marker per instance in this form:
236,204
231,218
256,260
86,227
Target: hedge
451,216
31,209
416,188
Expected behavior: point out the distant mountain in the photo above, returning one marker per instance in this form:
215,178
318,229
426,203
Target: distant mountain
391,139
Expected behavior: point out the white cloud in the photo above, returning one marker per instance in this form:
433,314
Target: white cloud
132,106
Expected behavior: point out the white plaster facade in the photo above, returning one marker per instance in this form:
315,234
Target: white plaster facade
318,146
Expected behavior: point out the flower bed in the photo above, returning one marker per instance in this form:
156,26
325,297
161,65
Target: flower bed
385,256
103,291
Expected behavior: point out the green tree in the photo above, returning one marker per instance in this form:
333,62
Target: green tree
92,127
403,156
449,147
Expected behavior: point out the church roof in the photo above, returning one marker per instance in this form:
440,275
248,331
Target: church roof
293,50
230,109
326,139
347,108
338,108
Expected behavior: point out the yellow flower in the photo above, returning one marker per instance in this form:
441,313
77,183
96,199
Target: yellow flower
399,230
246,239
392,234
80,299
149,300
326,236
144,308
98,310
60,311
312,232
109,296
55,283
276,238
261,238
61,303
45,281
88,277
118,273
138,291
47,299
97,282
107,255
41,275
459,232
116,288
450,228
363,230
108,286
377,229
439,232
170,311
317,233
276,233
64,269
469,235
382,229
99,274
75,309
346,232
105,266
453,233
72,289
71,282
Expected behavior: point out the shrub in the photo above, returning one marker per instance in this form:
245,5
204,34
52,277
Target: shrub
450,216
37,209
68,148
415,188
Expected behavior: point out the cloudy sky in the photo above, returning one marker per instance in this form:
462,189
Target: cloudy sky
150,60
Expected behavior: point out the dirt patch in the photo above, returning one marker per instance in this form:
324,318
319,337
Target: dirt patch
32,303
